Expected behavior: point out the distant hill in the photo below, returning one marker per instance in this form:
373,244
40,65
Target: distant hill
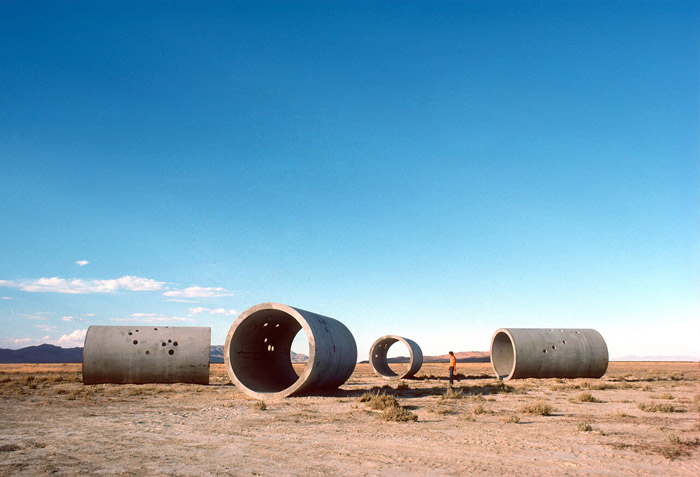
217,355
44,353
462,357
47,353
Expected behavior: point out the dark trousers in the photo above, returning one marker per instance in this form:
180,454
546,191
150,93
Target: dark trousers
452,375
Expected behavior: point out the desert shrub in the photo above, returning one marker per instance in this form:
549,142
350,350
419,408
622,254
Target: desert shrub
538,408
657,407
511,419
5,379
450,393
585,397
402,387
677,447
398,414
260,405
478,409
584,427
668,396
9,447
378,400
441,410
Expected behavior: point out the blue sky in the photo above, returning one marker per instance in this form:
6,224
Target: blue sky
436,170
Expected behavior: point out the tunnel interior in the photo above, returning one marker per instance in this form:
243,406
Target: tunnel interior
260,348
379,357
503,355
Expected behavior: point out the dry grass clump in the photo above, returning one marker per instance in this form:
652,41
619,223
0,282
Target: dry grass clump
451,393
478,409
260,405
584,427
511,419
441,410
389,405
538,408
668,396
677,447
398,414
584,397
657,407
378,400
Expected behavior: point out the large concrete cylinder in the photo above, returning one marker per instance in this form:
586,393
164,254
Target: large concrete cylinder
548,353
146,354
378,357
258,345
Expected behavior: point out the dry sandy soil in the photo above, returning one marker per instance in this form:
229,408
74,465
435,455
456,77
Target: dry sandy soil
641,418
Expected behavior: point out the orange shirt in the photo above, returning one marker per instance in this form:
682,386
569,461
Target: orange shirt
453,362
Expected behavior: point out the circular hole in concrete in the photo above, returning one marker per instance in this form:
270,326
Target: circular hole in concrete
170,341
130,333
163,343
136,331
136,341
174,343
554,347
544,351
155,329
148,352
563,341
171,351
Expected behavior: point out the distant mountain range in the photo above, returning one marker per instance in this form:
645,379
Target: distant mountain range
462,357
47,353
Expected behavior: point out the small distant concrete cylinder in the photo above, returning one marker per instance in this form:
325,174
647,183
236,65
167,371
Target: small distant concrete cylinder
548,353
258,345
380,364
146,354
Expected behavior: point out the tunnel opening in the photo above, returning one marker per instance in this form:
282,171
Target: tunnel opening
260,351
502,355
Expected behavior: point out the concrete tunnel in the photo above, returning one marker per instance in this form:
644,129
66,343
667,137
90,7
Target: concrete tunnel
378,357
258,345
548,353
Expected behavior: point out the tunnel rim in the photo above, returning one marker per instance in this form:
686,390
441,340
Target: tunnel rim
511,340
409,372
301,379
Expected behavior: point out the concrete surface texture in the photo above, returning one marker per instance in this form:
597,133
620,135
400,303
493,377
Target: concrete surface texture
146,354
378,357
548,353
258,345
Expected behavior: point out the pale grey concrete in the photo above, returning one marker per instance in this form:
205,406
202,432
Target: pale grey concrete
146,354
378,357
548,353
258,345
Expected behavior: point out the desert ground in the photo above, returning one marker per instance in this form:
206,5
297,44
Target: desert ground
640,418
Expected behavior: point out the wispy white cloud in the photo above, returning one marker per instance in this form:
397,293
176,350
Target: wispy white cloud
179,300
46,328
150,318
212,311
90,314
7,298
199,292
35,316
67,318
78,286
72,340
82,263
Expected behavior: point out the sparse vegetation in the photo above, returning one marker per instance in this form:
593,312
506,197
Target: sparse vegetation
378,400
511,419
260,405
478,409
677,447
657,407
398,414
584,427
585,397
668,396
451,393
537,408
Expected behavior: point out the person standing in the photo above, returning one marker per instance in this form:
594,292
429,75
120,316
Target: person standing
453,367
